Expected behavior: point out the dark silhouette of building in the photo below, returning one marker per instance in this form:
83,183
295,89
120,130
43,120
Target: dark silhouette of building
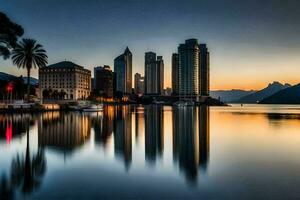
154,132
139,84
103,78
154,74
190,71
175,78
204,70
123,70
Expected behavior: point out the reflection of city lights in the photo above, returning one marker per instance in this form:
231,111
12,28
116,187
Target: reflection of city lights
8,133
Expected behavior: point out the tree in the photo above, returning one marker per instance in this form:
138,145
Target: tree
9,33
29,54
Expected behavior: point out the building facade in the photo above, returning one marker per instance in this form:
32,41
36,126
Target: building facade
123,70
190,69
138,84
154,74
64,80
204,70
175,79
103,80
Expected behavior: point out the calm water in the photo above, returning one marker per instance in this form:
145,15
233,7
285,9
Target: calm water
249,152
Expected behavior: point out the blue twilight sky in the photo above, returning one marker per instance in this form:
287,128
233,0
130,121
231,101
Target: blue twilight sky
252,42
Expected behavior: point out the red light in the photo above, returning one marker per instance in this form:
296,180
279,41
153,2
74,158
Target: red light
9,87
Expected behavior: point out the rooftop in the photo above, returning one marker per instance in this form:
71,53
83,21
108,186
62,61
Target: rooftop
64,64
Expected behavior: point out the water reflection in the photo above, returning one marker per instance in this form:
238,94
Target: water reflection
154,132
103,125
14,125
26,171
123,134
191,139
63,132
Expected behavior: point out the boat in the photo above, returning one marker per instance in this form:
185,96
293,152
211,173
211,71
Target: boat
180,104
93,108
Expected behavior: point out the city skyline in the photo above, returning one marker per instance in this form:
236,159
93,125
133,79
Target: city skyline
241,42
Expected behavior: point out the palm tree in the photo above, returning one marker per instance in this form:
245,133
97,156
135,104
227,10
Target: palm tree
29,54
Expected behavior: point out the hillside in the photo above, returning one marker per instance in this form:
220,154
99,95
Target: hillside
256,97
9,77
289,95
229,95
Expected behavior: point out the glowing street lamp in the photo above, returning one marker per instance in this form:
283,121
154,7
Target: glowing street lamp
9,89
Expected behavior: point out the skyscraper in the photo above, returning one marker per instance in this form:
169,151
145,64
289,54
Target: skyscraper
103,78
175,78
160,75
123,70
154,73
190,71
204,71
138,84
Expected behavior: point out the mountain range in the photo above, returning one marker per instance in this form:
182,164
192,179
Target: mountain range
258,96
230,96
9,77
250,96
290,95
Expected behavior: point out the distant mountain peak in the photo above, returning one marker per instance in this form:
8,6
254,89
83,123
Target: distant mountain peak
271,89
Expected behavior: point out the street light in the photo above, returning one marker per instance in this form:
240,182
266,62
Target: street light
9,89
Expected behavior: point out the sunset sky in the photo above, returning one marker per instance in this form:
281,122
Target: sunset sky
252,42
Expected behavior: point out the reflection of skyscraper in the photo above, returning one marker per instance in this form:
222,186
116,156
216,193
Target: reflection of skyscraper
204,136
103,125
186,141
154,132
123,71
63,131
139,123
122,134
190,139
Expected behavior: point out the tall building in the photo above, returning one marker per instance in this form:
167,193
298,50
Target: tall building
190,71
154,73
160,66
175,78
204,71
123,70
103,78
138,84
64,80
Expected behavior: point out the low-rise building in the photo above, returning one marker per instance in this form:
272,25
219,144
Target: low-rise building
64,80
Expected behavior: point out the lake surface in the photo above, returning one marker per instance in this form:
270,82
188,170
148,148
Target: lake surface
249,152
